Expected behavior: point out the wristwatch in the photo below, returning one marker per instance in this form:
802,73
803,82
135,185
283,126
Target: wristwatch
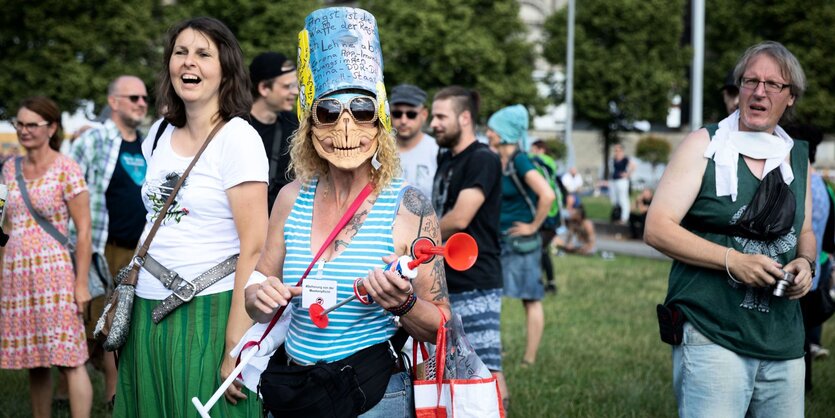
812,264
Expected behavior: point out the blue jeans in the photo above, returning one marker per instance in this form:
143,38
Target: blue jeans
712,381
522,274
398,400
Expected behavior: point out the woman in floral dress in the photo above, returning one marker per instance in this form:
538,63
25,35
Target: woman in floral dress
43,298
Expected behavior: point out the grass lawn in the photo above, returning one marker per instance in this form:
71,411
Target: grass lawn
598,208
600,356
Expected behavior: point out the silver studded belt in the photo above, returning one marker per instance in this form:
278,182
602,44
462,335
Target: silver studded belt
184,289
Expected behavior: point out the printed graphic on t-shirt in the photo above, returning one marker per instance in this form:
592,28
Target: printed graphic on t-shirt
158,194
439,193
134,165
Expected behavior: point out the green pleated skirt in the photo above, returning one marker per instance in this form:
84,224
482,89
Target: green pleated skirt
162,366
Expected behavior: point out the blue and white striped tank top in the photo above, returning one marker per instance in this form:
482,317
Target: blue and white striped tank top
354,326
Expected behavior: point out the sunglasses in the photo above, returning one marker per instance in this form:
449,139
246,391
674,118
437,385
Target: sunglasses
326,111
397,114
134,98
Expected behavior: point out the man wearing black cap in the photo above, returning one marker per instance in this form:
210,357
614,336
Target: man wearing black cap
274,92
730,93
418,151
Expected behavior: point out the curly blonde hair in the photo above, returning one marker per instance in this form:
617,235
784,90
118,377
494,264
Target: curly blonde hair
306,163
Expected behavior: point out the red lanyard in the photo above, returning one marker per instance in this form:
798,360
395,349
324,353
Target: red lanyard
345,218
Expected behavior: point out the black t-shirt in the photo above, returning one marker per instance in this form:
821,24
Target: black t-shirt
620,167
479,167
123,197
286,123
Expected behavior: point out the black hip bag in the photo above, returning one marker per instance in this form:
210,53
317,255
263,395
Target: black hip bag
771,212
768,216
343,388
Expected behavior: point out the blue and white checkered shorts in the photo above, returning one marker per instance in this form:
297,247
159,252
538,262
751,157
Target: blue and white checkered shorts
480,311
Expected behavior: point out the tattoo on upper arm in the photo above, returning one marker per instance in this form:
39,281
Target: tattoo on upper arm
431,228
439,288
420,205
417,203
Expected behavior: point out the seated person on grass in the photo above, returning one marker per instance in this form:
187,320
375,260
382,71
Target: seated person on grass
580,238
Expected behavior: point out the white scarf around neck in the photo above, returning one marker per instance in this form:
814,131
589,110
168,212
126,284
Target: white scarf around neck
729,142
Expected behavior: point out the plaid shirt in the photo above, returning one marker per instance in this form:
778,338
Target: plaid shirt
97,151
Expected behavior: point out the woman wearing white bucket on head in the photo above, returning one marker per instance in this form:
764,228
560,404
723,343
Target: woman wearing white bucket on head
733,210
343,154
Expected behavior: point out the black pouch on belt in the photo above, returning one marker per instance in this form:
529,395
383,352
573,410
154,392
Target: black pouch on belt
670,324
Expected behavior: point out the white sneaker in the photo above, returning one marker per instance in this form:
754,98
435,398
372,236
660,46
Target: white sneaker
818,352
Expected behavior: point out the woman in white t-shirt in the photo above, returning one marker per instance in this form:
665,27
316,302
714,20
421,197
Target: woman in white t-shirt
219,212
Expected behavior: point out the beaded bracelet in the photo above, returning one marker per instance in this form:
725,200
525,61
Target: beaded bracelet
405,307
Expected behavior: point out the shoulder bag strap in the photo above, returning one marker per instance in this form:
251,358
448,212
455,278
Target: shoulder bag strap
515,178
142,250
275,154
43,222
341,224
162,126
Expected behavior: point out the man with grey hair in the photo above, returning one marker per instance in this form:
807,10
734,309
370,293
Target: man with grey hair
111,159
732,312
418,151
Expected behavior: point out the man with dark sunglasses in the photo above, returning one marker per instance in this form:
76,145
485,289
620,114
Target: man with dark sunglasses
110,156
418,151
274,92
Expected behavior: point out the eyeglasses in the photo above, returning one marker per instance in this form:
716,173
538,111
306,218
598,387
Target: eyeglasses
134,98
397,114
363,109
770,86
20,126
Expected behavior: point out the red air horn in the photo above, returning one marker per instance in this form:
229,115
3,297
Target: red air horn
460,253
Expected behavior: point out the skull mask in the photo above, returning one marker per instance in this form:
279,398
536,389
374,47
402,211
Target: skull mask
345,129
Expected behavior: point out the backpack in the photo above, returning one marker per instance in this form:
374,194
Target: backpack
546,166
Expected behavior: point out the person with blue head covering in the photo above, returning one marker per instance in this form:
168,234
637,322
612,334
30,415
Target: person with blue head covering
526,201
344,154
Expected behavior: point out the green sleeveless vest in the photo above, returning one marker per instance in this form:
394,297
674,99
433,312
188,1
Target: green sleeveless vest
748,321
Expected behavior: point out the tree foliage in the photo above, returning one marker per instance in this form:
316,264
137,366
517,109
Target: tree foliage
556,149
653,149
70,50
259,25
627,61
472,43
805,27
625,51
